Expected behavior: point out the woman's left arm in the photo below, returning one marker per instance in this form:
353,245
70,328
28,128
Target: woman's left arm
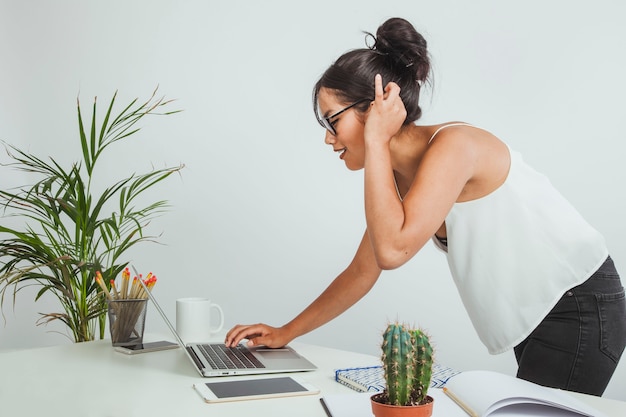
398,228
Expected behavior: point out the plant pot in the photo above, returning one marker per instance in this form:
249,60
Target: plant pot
380,409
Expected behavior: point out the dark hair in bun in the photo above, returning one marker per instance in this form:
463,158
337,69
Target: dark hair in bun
398,53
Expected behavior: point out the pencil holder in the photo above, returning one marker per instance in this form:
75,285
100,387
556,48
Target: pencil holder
126,321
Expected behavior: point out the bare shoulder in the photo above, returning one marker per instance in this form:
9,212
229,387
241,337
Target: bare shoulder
461,137
458,130
471,151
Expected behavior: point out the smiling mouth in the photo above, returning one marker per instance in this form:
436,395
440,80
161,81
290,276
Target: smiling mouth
341,151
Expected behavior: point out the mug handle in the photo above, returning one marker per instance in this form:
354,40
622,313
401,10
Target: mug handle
221,325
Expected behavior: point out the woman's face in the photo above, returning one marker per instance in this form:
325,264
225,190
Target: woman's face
348,141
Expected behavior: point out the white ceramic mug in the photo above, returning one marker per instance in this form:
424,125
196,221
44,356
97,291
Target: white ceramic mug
193,319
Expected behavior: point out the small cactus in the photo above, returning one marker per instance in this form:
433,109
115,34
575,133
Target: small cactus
423,365
407,359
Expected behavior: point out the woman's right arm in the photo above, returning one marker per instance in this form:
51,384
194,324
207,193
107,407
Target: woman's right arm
348,288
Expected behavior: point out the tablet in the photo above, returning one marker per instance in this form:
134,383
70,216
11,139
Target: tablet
251,389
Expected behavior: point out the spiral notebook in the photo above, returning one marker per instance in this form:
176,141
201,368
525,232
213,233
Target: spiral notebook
371,378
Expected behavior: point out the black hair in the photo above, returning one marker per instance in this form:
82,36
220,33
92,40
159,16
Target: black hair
399,54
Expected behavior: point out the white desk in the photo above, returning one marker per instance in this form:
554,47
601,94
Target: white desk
91,379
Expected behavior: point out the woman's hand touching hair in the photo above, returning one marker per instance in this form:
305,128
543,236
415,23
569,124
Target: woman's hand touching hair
386,114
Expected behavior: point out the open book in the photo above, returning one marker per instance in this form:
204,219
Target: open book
485,393
478,394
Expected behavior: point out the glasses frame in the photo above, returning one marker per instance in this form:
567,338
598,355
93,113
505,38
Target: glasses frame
327,124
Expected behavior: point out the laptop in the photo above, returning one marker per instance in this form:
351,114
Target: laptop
215,359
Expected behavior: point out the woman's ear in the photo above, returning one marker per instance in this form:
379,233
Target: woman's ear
364,115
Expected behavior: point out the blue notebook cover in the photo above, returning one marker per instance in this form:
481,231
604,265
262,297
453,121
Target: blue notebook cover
371,378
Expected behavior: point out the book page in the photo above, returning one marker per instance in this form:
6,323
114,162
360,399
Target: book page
484,392
531,410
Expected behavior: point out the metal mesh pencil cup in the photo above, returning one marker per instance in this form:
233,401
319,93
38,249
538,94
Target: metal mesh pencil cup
127,319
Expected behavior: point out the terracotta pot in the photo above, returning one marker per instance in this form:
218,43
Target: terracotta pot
386,410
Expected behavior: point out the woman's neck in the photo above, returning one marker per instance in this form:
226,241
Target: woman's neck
407,148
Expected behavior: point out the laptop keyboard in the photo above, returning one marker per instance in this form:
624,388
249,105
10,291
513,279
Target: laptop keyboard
221,357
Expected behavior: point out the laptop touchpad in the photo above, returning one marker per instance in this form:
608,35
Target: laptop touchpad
277,353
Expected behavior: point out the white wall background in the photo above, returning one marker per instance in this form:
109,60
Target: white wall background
265,215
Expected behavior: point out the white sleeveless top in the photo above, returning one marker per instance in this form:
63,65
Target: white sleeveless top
515,252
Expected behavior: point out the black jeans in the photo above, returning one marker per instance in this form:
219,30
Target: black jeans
579,343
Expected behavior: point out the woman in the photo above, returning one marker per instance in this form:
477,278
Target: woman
534,276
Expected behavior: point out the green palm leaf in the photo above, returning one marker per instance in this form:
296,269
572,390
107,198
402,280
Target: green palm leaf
69,231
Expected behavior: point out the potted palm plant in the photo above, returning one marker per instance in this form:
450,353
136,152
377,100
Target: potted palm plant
407,358
69,229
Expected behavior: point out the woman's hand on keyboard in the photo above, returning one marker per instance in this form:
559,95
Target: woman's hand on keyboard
257,334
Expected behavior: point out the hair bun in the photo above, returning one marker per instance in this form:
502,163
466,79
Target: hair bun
398,39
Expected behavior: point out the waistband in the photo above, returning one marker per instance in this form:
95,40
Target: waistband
606,280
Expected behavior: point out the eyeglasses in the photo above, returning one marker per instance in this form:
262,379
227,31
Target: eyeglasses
328,125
